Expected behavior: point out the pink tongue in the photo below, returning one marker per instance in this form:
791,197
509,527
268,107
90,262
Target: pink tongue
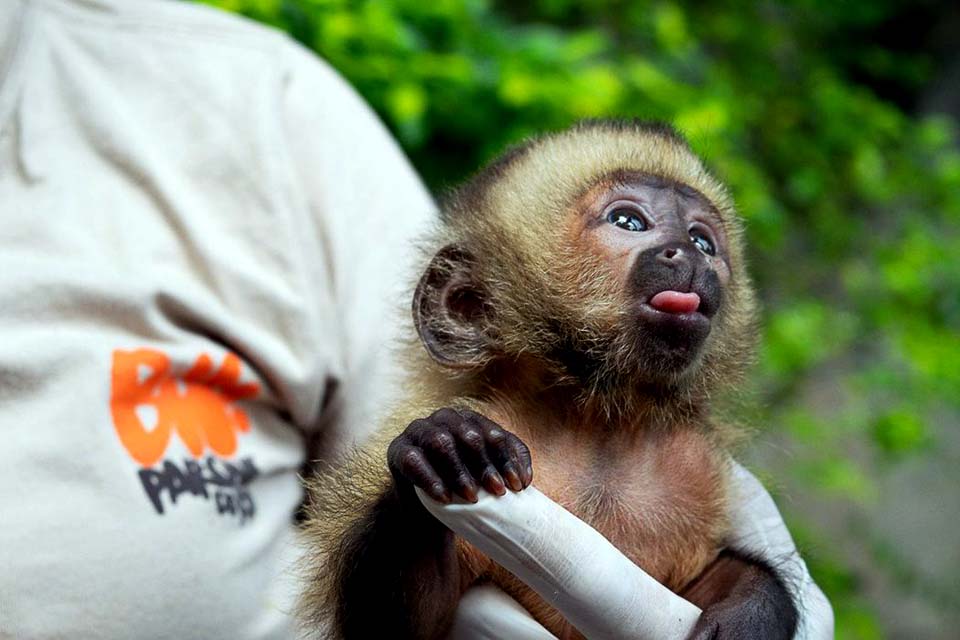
675,302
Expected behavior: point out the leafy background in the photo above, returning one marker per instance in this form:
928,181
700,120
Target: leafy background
835,125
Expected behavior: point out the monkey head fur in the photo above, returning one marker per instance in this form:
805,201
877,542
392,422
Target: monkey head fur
515,276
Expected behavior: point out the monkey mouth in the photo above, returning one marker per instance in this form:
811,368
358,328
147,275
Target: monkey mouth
675,302
675,312
691,319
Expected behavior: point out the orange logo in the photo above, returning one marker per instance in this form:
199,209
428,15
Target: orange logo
149,404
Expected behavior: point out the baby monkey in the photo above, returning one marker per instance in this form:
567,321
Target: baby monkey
586,297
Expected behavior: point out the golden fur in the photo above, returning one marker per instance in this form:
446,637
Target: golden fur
661,500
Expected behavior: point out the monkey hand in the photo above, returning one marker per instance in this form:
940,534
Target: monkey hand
762,613
458,451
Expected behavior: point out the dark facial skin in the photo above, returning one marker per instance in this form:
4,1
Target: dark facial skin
657,236
673,213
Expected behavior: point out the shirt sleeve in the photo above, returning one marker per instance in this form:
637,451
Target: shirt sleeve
365,211
758,529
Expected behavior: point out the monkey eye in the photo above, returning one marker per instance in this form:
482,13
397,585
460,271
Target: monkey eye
627,219
703,242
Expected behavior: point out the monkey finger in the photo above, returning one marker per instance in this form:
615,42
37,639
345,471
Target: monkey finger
445,418
512,476
492,481
412,464
441,448
500,450
499,446
521,456
473,450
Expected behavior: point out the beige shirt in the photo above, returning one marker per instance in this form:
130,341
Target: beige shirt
204,236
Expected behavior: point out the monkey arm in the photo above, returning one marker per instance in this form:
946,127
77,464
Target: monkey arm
397,573
758,530
741,583
574,568
742,598
395,558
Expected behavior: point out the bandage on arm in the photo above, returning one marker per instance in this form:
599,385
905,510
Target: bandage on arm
585,578
573,568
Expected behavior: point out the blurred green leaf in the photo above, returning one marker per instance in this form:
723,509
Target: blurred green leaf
900,432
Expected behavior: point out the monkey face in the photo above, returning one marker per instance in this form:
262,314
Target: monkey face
649,264
606,255
667,254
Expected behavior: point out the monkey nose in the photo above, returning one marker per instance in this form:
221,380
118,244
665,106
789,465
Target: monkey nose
673,255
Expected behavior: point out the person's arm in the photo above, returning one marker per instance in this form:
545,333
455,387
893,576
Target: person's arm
486,612
366,208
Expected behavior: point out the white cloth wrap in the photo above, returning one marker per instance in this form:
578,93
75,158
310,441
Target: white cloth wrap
759,530
574,568
487,613
594,586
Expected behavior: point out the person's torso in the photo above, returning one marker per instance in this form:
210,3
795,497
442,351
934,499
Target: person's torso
155,335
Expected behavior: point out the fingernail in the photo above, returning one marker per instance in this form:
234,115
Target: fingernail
513,479
470,493
495,484
439,493
529,475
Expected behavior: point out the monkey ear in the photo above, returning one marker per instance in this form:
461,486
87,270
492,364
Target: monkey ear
452,312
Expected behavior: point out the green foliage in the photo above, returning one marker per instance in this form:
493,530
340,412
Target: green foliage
853,206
